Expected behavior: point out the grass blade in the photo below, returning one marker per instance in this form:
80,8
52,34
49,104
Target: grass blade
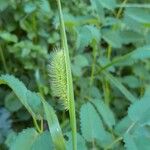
70,93
119,86
53,124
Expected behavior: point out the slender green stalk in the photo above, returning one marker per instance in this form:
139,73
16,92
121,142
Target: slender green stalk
94,62
106,91
36,125
119,12
114,142
42,125
113,62
70,93
121,9
3,60
106,83
109,52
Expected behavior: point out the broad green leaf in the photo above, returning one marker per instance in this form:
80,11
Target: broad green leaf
29,7
12,103
141,131
141,53
147,92
5,124
94,92
11,137
131,81
8,37
111,21
141,72
55,130
17,86
112,37
92,127
44,6
26,47
97,6
129,142
137,19
43,142
76,21
141,108
3,4
109,4
143,143
86,89
130,36
34,102
79,62
86,35
122,126
133,25
137,140
25,25
24,95
69,19
95,33
24,140
53,38
138,14
105,112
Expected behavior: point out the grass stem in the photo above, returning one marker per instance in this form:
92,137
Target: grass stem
94,62
109,53
70,93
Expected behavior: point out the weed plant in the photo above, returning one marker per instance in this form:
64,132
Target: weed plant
89,65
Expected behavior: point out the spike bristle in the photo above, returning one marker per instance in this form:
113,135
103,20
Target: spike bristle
58,79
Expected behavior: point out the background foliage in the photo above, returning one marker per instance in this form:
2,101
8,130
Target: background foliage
110,50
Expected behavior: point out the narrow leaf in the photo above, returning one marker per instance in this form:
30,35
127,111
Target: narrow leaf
130,58
55,130
119,86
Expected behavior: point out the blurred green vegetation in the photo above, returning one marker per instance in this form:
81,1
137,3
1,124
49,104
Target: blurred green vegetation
99,32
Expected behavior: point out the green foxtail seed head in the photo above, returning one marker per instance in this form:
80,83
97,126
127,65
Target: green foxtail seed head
58,77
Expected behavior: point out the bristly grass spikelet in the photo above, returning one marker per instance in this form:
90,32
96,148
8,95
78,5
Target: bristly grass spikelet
58,78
